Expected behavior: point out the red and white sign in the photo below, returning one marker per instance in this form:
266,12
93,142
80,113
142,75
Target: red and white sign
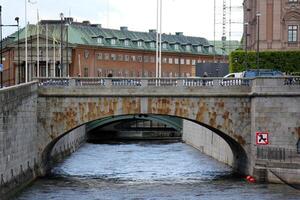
262,138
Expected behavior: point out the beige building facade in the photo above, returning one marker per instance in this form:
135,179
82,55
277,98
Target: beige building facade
274,23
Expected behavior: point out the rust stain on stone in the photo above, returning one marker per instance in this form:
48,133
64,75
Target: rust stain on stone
240,139
201,112
70,117
212,119
163,106
226,120
182,108
131,105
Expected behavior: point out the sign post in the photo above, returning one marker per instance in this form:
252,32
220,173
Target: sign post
262,138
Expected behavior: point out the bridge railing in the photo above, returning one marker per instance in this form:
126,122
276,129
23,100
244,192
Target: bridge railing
143,82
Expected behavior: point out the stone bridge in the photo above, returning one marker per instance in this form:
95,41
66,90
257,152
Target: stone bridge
235,109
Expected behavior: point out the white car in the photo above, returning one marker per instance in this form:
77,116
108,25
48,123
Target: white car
234,75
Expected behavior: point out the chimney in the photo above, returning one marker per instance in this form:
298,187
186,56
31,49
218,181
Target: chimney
86,22
124,28
152,30
96,25
179,33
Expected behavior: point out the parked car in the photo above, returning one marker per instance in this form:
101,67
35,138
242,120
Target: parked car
262,73
234,75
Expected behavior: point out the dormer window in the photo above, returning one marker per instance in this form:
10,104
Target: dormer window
126,42
199,48
152,45
100,40
176,46
113,41
188,47
164,45
140,43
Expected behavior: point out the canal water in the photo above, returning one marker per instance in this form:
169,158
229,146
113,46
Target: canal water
140,171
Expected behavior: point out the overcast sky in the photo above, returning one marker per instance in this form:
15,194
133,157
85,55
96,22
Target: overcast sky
192,17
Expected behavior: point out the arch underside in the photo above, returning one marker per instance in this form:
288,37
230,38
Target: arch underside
227,117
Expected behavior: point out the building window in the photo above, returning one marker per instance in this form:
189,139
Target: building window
86,72
188,61
164,60
176,61
188,47
199,48
126,58
106,56
100,40
140,43
146,59
293,1
193,62
126,42
292,33
113,41
99,56
152,59
152,45
140,59
113,57
176,46
120,57
170,60
164,45
182,61
133,58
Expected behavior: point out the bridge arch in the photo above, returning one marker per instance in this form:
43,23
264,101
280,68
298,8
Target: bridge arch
240,162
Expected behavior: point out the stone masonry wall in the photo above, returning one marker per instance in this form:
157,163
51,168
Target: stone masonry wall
18,136
207,142
69,143
20,141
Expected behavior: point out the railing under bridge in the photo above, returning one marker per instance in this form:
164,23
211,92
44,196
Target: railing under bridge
157,82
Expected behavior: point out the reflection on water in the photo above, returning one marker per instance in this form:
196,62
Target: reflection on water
147,171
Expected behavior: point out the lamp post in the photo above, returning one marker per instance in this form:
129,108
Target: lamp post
257,49
61,44
67,46
19,67
246,44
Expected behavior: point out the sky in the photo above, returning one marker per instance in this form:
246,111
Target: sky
192,17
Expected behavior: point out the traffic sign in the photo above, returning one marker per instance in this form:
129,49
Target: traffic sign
1,67
262,138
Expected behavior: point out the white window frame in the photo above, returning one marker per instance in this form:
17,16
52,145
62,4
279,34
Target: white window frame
113,41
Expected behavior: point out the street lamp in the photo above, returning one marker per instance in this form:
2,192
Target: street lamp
67,46
19,67
61,44
257,49
246,44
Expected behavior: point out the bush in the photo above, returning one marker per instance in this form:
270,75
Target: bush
285,61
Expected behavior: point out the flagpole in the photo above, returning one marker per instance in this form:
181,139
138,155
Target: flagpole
160,32
47,51
26,61
157,21
38,45
54,47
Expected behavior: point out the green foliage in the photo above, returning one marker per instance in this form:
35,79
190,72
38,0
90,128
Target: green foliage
285,61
